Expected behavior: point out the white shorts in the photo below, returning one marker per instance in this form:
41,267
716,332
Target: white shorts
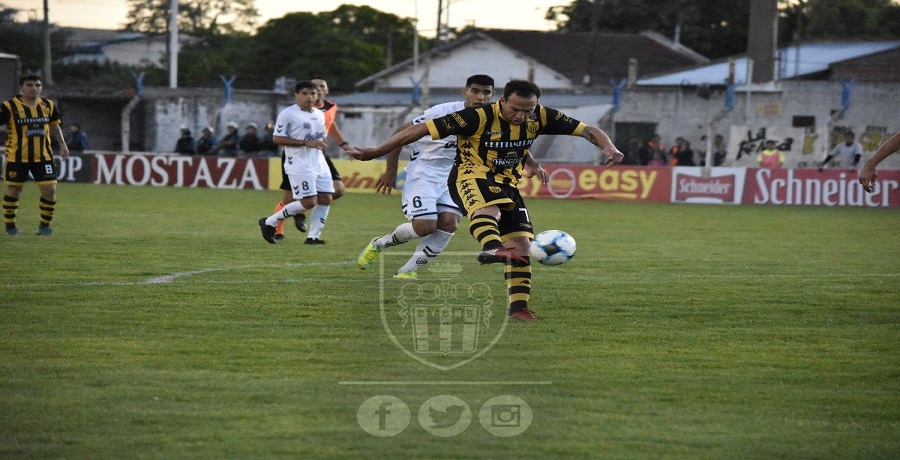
307,185
424,199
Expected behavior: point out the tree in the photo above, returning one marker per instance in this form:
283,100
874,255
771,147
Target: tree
855,19
375,27
714,28
195,17
25,39
344,45
719,28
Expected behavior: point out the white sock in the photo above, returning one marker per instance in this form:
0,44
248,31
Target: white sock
400,235
292,208
428,249
317,220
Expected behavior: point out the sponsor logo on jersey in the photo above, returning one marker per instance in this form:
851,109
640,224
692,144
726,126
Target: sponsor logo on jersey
509,162
508,145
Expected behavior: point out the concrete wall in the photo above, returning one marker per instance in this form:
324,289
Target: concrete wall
682,112
675,111
166,111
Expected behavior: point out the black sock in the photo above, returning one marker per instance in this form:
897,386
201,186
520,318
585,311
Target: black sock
10,207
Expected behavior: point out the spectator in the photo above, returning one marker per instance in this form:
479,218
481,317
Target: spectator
657,158
78,141
185,143
228,145
850,152
207,143
718,151
771,158
681,153
250,144
653,145
633,152
268,147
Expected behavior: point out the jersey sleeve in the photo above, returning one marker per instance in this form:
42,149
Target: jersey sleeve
5,112
463,122
282,124
560,123
54,114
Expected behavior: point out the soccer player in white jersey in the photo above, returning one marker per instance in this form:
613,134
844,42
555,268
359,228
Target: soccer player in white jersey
300,128
426,199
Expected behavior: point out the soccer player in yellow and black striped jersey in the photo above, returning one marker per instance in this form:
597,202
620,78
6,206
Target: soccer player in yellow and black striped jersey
30,121
492,154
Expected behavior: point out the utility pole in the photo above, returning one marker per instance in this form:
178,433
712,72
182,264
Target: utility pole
48,61
173,44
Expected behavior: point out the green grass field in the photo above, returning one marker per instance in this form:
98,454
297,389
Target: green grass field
157,323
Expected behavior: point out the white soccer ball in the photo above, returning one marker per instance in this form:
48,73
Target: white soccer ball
552,247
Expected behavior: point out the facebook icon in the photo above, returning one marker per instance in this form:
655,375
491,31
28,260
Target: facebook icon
383,416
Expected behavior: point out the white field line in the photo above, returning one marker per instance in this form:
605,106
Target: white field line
172,277
180,276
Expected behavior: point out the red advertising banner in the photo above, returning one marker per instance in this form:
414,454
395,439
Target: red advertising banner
181,171
624,183
809,187
803,187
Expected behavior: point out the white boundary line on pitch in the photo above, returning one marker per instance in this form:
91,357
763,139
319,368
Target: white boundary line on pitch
168,279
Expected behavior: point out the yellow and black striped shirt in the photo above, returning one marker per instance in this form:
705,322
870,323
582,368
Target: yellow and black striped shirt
489,147
28,129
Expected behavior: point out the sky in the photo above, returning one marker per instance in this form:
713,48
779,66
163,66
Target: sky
486,14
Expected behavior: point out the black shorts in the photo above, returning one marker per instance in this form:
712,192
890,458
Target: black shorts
286,184
44,172
474,194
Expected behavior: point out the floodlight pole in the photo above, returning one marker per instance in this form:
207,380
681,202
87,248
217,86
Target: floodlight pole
173,44
48,61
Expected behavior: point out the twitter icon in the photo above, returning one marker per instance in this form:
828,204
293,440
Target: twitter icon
445,416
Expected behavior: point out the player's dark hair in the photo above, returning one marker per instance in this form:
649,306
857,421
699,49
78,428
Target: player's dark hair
30,77
523,88
484,80
304,84
317,77
849,133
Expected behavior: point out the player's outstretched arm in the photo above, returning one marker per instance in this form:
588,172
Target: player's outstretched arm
868,175
407,136
599,138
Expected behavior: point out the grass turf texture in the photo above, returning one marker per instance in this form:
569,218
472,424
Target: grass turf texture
157,323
